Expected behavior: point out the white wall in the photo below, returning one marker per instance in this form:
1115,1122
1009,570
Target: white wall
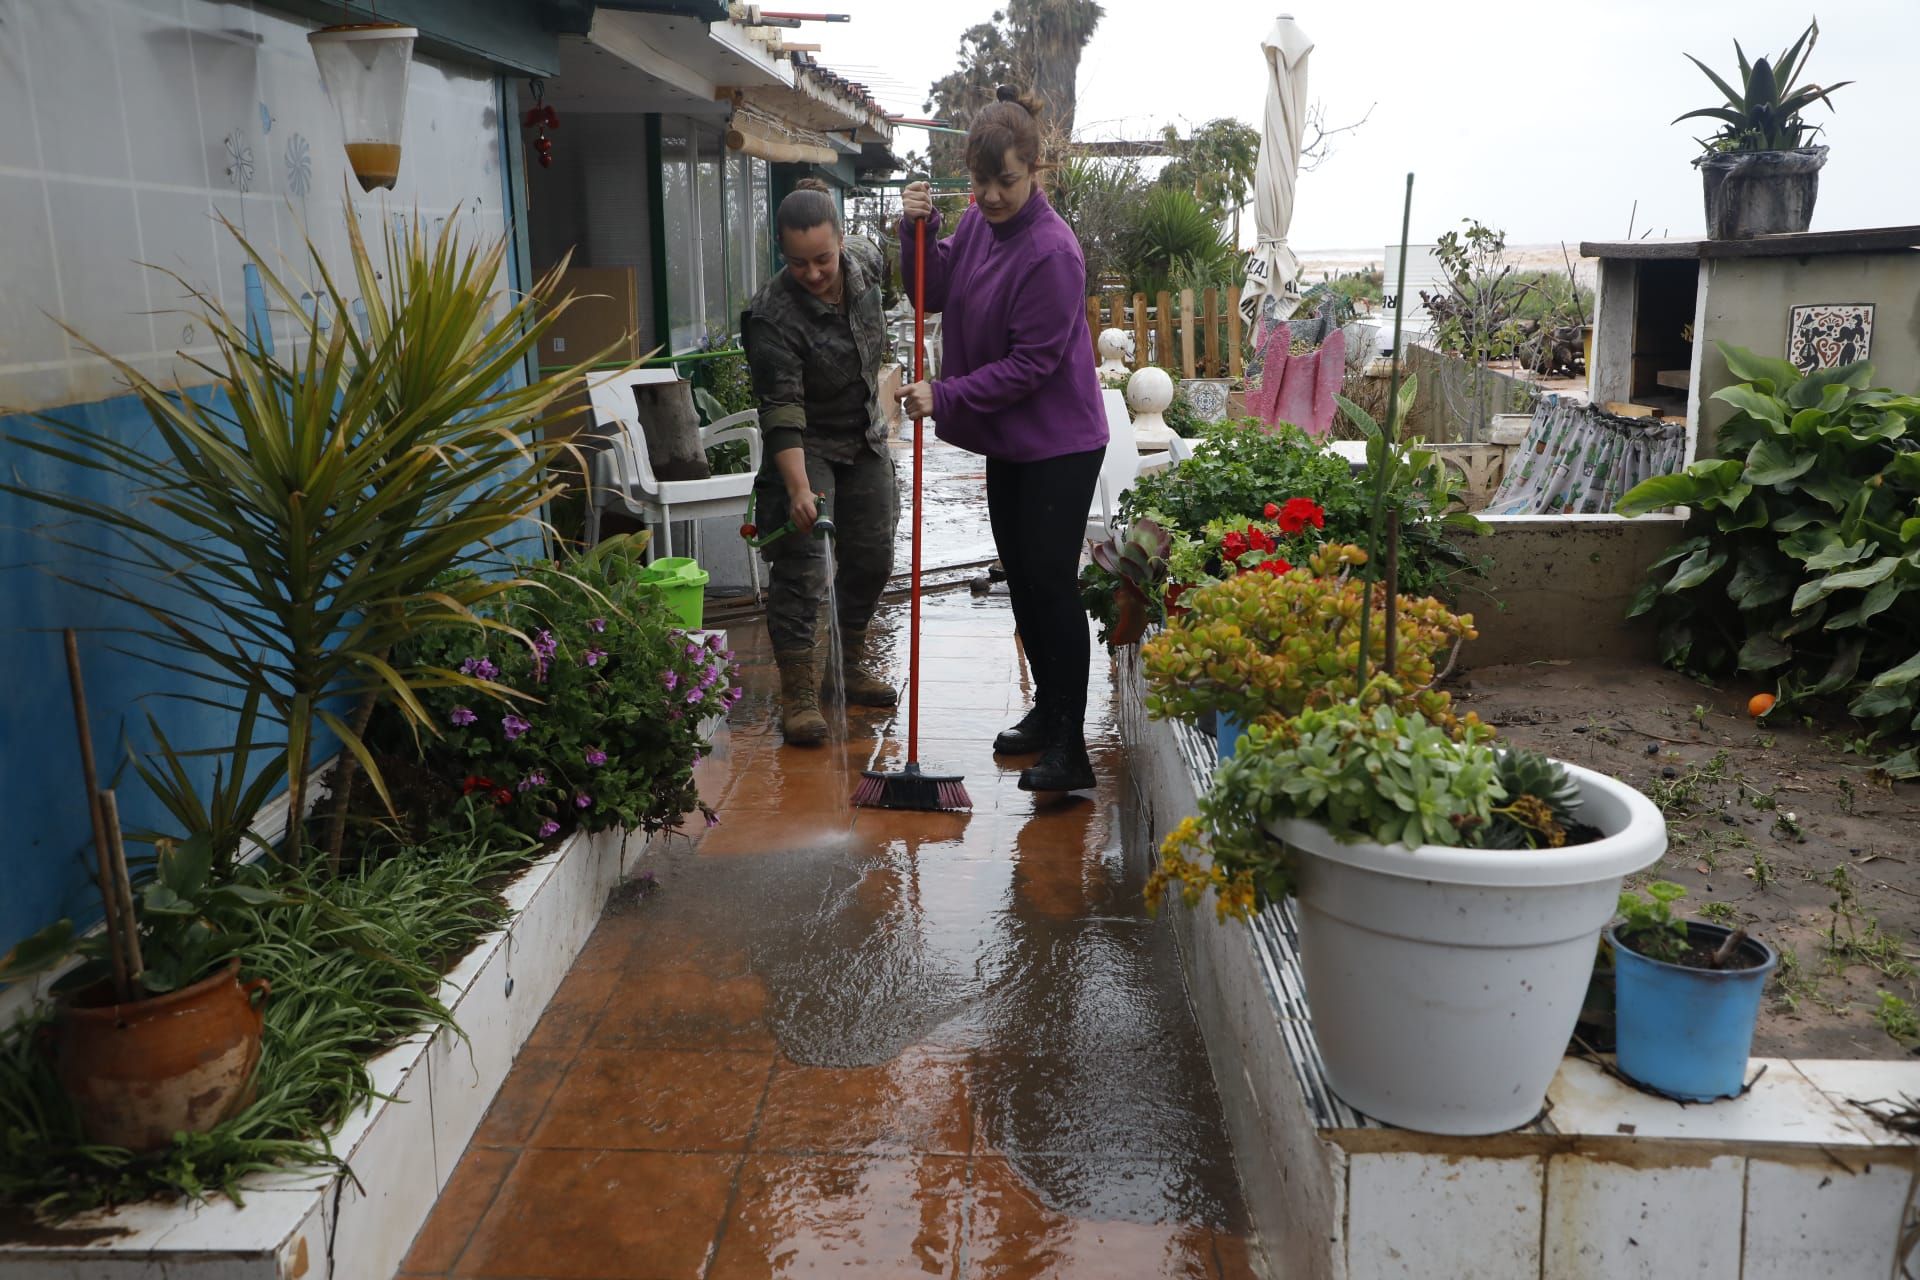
128,124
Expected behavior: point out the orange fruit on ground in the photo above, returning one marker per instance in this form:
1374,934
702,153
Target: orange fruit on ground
1759,704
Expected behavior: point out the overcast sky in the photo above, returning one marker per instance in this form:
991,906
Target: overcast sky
1546,119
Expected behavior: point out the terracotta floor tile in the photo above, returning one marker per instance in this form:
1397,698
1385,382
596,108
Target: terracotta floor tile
516,1108
603,1215
876,1216
462,1204
916,1103
656,1100
685,1009
574,1009
1013,1235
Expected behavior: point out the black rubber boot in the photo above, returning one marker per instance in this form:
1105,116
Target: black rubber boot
1025,738
1064,765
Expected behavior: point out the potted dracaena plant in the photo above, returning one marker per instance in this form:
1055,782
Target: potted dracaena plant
1450,893
1761,176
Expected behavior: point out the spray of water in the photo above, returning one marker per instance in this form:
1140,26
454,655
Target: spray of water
834,705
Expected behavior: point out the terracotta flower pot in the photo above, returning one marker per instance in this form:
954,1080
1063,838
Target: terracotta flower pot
140,1072
1131,620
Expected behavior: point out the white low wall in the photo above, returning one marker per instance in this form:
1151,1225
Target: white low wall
1790,1182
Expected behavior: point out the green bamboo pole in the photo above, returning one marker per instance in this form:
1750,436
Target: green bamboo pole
1389,434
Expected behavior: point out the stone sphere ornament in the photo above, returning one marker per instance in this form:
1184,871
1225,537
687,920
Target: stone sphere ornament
1116,353
1149,392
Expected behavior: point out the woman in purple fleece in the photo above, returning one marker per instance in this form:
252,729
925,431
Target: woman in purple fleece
1018,385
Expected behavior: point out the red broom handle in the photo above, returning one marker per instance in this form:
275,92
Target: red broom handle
919,375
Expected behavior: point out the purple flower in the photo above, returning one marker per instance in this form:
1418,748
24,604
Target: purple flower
513,726
596,625
539,668
732,696
549,828
592,657
708,676
694,695
675,715
695,651
544,644
728,655
713,819
713,641
532,780
582,801
461,717
596,757
479,668
671,679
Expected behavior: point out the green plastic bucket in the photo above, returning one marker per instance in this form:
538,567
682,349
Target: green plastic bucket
682,584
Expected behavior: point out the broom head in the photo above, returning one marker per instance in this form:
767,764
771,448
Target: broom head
911,789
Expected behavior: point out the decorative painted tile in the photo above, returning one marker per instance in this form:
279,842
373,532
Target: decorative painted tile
1829,334
1606,1220
1427,1215
1817,1218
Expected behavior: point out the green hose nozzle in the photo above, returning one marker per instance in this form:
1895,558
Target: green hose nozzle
822,524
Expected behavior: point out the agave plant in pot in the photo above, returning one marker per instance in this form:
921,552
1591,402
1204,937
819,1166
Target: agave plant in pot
1135,559
1761,176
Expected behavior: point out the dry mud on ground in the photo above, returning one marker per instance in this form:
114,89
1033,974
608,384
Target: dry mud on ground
1773,825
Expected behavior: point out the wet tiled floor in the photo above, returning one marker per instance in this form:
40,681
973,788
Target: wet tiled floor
851,1041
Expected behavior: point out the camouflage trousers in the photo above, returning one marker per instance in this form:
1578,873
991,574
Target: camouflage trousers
865,506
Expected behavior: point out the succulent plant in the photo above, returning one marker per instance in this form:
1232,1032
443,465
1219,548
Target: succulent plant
1137,555
1763,112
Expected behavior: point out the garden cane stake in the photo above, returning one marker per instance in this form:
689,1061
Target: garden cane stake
910,788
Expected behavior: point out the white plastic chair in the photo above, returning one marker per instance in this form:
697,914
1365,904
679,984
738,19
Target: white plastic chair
623,476
1122,466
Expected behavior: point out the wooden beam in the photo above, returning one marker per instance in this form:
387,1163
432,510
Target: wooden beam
778,150
1186,333
1163,330
1235,335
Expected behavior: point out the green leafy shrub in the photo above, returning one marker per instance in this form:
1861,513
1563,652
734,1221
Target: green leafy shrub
1266,646
1366,772
601,727
1241,465
1804,564
1648,924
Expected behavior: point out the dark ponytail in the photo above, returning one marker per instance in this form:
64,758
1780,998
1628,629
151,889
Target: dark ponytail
807,206
1010,123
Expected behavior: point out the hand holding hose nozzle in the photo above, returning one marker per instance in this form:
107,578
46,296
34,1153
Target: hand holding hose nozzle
822,524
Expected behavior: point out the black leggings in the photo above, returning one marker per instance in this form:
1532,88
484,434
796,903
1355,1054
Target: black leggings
1039,513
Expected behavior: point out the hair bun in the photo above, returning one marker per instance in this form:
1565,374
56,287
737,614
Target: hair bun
1030,102
812,184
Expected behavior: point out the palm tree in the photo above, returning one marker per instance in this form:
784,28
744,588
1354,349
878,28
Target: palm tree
1032,43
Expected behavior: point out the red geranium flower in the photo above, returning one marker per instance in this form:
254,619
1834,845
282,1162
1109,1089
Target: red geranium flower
1259,539
1301,512
474,782
1271,511
1275,566
503,797
1233,546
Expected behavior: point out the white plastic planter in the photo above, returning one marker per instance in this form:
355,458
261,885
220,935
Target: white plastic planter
1444,983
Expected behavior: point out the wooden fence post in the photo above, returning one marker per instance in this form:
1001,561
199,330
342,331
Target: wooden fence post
1186,333
1163,328
1235,335
1093,326
1140,331
1212,322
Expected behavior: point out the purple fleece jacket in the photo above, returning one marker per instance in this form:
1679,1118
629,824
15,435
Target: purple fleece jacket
1017,379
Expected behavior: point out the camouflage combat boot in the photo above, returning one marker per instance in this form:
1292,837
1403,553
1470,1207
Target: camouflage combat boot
801,723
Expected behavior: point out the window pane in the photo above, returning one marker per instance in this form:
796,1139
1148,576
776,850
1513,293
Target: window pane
763,219
683,236
743,262
713,244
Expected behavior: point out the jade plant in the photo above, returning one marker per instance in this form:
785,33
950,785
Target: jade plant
1365,771
1267,646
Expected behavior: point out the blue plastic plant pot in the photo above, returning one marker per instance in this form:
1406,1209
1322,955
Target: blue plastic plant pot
1226,732
1686,1032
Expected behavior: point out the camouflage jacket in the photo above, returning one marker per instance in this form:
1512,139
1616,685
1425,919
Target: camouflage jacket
816,367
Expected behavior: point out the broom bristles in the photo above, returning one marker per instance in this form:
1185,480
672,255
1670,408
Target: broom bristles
911,789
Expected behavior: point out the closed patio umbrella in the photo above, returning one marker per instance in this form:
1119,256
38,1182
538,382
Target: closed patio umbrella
1272,267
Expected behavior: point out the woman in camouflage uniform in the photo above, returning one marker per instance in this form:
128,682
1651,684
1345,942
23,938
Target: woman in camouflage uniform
815,337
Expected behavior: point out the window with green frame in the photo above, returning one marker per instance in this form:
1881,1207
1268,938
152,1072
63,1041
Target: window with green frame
717,220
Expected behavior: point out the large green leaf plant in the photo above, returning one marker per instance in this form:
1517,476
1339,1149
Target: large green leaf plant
1804,564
